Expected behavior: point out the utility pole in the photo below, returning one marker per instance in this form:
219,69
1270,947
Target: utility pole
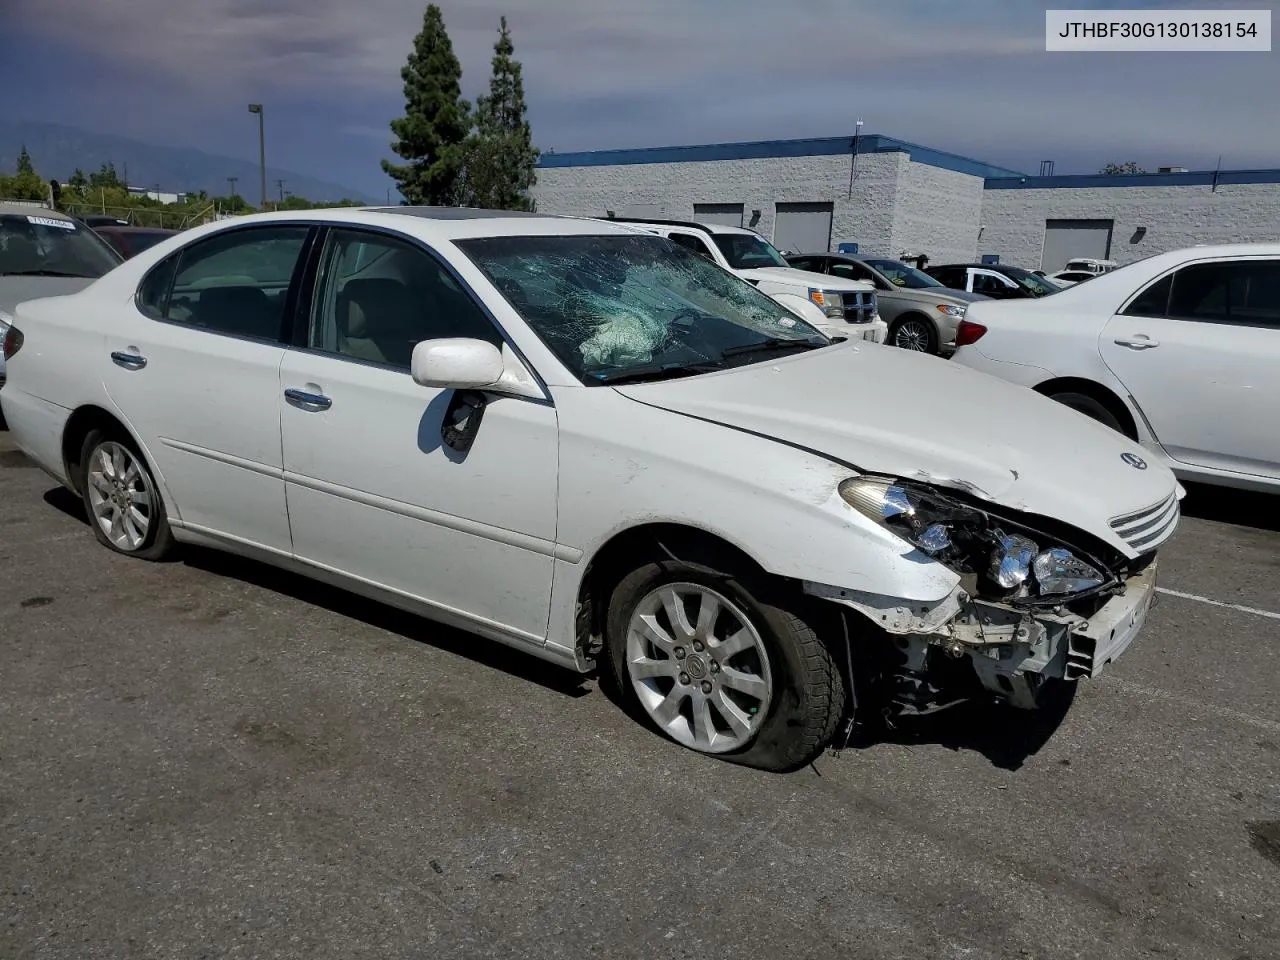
853,164
232,181
280,186
262,151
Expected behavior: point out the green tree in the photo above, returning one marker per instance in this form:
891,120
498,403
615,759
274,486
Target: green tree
27,185
78,184
24,162
1116,169
105,177
500,157
432,133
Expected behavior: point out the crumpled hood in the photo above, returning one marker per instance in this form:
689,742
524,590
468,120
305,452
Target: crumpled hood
804,278
905,414
14,290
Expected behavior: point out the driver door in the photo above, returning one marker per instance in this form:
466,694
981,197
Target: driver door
373,489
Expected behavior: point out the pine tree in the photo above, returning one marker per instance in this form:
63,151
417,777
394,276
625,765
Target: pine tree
501,157
432,133
24,162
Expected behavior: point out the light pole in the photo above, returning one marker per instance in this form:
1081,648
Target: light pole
262,151
853,164
280,186
232,181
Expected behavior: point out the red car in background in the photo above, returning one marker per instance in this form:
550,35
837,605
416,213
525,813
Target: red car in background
130,241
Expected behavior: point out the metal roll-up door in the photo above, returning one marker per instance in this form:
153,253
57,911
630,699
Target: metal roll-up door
803,227
1069,239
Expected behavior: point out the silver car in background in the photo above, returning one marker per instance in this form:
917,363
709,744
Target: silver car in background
921,313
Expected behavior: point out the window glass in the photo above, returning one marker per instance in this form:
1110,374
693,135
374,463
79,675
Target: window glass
153,295
1153,301
1245,292
41,244
811,264
380,296
236,282
689,241
985,283
746,251
904,275
630,307
851,271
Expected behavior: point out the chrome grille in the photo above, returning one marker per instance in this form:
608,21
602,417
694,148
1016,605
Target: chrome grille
859,306
1147,528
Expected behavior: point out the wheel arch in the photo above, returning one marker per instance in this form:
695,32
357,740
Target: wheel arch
628,548
1091,388
82,420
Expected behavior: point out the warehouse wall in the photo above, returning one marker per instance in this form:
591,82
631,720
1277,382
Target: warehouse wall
867,218
1174,217
937,213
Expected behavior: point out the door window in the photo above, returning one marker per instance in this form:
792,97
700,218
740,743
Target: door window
1243,293
379,296
689,241
853,271
1153,301
990,285
812,264
235,282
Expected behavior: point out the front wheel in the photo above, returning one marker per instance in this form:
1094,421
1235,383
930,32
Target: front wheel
914,333
121,498
722,667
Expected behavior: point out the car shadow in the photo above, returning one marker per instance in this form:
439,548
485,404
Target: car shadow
1005,736
459,643
1242,508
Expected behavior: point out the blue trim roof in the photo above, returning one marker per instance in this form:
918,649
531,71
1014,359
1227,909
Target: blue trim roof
1192,178
770,149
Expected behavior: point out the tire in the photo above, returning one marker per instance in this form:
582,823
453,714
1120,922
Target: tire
1083,403
796,696
914,333
144,531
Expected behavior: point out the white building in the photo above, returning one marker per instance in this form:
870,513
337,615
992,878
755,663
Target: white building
893,198
157,195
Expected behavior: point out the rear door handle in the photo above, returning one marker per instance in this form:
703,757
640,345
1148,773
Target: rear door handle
130,361
1139,341
311,402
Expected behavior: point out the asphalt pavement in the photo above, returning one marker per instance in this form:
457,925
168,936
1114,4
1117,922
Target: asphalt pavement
210,758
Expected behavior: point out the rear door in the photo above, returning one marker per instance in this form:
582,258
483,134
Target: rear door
192,366
1199,351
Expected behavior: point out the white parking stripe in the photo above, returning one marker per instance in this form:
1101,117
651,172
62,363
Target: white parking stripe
1195,706
1218,603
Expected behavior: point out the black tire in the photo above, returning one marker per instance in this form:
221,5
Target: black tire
158,542
917,330
1083,403
808,692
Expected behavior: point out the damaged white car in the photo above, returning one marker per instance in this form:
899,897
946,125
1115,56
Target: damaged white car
594,445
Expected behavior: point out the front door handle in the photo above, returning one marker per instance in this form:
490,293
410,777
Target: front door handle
130,361
1139,341
311,402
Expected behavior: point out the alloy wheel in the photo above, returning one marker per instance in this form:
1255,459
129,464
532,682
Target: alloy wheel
699,667
121,497
912,335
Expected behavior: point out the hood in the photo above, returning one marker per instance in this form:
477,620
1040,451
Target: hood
909,415
805,278
14,290
931,295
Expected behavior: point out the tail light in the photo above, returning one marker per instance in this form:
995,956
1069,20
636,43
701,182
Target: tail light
12,342
969,332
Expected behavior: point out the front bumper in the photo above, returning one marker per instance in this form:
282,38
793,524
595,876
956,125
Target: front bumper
1012,651
874,331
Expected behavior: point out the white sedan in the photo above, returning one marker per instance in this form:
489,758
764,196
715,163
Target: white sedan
1179,351
594,445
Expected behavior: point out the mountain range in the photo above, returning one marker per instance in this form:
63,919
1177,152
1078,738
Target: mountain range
56,151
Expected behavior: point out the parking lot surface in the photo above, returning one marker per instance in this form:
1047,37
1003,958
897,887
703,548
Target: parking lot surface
209,758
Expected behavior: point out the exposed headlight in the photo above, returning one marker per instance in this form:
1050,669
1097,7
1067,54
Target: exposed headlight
969,540
832,304
951,310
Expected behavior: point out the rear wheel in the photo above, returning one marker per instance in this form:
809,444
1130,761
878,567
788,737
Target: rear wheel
914,333
121,498
722,666
1090,407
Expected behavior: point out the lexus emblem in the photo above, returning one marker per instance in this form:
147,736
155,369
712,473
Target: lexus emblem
1133,460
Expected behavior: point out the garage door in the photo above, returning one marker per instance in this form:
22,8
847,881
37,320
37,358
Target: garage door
803,227
729,214
1068,239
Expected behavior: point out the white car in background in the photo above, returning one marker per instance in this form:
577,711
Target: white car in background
1180,351
593,445
840,306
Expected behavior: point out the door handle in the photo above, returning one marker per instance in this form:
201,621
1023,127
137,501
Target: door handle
311,402
1139,341
130,361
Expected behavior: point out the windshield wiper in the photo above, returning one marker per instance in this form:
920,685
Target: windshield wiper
773,343
45,273
657,371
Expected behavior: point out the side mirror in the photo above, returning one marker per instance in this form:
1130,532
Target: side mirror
458,363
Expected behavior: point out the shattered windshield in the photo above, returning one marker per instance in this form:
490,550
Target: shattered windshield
745,251
631,308
32,245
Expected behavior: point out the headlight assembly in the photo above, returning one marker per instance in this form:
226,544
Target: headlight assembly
951,310
1010,563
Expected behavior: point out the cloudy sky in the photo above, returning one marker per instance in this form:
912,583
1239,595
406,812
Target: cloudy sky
970,76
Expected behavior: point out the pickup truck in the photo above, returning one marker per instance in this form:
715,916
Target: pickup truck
837,306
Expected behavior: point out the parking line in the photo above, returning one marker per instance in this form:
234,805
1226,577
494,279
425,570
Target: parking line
1218,603
1193,706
